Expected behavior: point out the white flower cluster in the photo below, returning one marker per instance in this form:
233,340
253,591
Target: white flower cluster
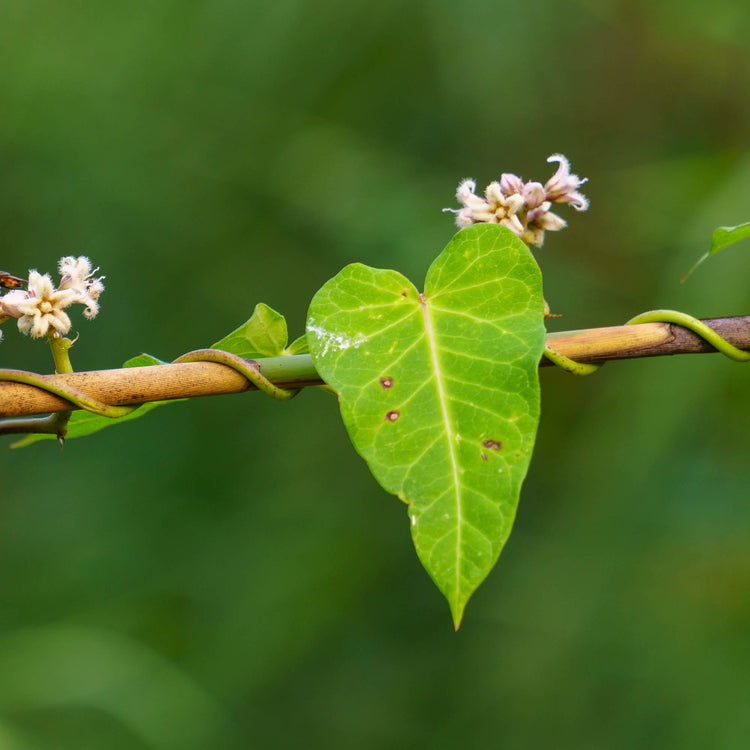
522,207
40,309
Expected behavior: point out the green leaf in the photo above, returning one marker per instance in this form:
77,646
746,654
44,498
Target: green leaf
720,238
264,335
83,423
144,360
440,393
299,346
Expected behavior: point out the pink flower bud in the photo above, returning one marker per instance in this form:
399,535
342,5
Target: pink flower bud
9,303
533,194
510,183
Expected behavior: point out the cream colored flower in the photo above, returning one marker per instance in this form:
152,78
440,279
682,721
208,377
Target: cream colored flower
494,208
42,310
504,208
77,274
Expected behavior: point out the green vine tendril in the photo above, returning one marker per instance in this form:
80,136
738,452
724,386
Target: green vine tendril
247,367
655,316
250,369
568,364
696,326
56,424
68,392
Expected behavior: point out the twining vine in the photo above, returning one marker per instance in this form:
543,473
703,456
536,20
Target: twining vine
438,389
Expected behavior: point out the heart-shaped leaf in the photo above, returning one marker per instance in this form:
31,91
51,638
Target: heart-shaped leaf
439,392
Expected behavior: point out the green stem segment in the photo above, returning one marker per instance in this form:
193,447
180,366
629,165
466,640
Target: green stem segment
58,423
60,347
52,424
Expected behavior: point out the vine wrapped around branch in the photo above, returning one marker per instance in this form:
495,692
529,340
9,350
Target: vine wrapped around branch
138,385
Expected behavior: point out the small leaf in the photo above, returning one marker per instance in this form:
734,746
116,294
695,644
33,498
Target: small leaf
82,423
720,238
299,346
440,393
264,335
144,360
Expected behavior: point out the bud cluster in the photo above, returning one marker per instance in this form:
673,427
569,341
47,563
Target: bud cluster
40,309
522,207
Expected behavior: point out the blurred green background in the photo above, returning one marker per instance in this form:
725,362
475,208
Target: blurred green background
225,573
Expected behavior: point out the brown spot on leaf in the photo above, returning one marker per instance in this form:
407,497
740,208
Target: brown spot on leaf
386,382
484,457
493,445
392,416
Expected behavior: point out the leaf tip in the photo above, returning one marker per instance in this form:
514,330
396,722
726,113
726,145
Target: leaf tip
457,613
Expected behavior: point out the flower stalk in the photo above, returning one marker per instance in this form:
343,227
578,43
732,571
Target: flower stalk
60,348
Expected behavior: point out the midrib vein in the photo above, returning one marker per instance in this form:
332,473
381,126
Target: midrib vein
448,430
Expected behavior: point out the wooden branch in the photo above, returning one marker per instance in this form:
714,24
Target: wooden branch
137,385
594,345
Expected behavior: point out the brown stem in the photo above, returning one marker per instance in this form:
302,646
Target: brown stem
596,345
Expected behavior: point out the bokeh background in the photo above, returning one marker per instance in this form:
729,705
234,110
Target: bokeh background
225,573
